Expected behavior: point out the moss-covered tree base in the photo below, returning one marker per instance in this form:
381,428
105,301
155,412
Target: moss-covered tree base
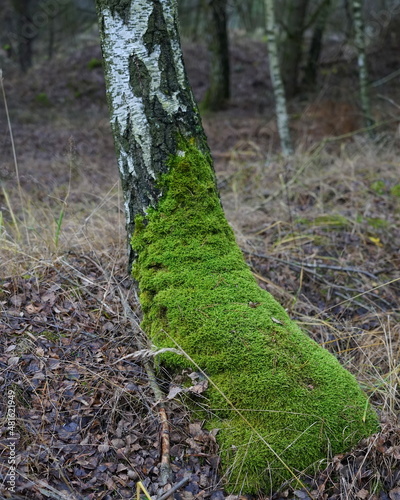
196,288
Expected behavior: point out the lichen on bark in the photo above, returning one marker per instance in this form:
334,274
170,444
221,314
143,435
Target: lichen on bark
197,289
149,96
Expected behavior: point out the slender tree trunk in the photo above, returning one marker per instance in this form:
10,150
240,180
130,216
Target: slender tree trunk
25,32
359,35
219,91
280,400
349,28
50,46
314,53
292,48
277,82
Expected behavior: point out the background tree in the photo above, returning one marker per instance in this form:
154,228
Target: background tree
359,38
292,47
24,33
281,402
276,78
218,92
34,30
316,44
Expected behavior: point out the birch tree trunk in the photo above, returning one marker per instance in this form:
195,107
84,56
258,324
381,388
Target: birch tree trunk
149,96
362,62
277,82
281,402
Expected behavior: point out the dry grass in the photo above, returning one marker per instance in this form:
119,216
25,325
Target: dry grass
321,232
40,232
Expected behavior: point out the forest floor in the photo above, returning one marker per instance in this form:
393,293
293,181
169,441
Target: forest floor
320,232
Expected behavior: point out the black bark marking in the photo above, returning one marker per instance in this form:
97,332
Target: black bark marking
122,7
139,77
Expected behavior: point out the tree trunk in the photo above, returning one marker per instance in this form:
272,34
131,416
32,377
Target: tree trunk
25,32
362,62
276,78
50,45
281,402
314,53
149,97
292,47
219,91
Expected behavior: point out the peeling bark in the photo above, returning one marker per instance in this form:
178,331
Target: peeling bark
149,97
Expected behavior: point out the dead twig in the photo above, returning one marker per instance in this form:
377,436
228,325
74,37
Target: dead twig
174,488
301,265
165,468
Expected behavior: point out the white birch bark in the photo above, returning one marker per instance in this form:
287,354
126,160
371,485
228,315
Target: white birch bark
277,83
362,62
149,97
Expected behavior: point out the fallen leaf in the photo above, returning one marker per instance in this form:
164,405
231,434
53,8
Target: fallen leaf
103,448
31,309
16,300
394,494
200,387
375,241
13,361
195,429
174,391
50,298
393,451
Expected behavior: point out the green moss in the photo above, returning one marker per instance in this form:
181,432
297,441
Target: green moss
379,187
395,191
43,99
377,222
94,63
52,336
196,287
335,221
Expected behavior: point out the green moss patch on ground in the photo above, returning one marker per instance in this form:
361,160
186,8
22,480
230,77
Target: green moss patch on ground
197,289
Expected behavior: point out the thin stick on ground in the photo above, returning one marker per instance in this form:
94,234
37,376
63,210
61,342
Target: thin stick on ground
316,265
165,467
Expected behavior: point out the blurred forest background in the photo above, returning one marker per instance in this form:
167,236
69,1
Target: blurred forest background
319,228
